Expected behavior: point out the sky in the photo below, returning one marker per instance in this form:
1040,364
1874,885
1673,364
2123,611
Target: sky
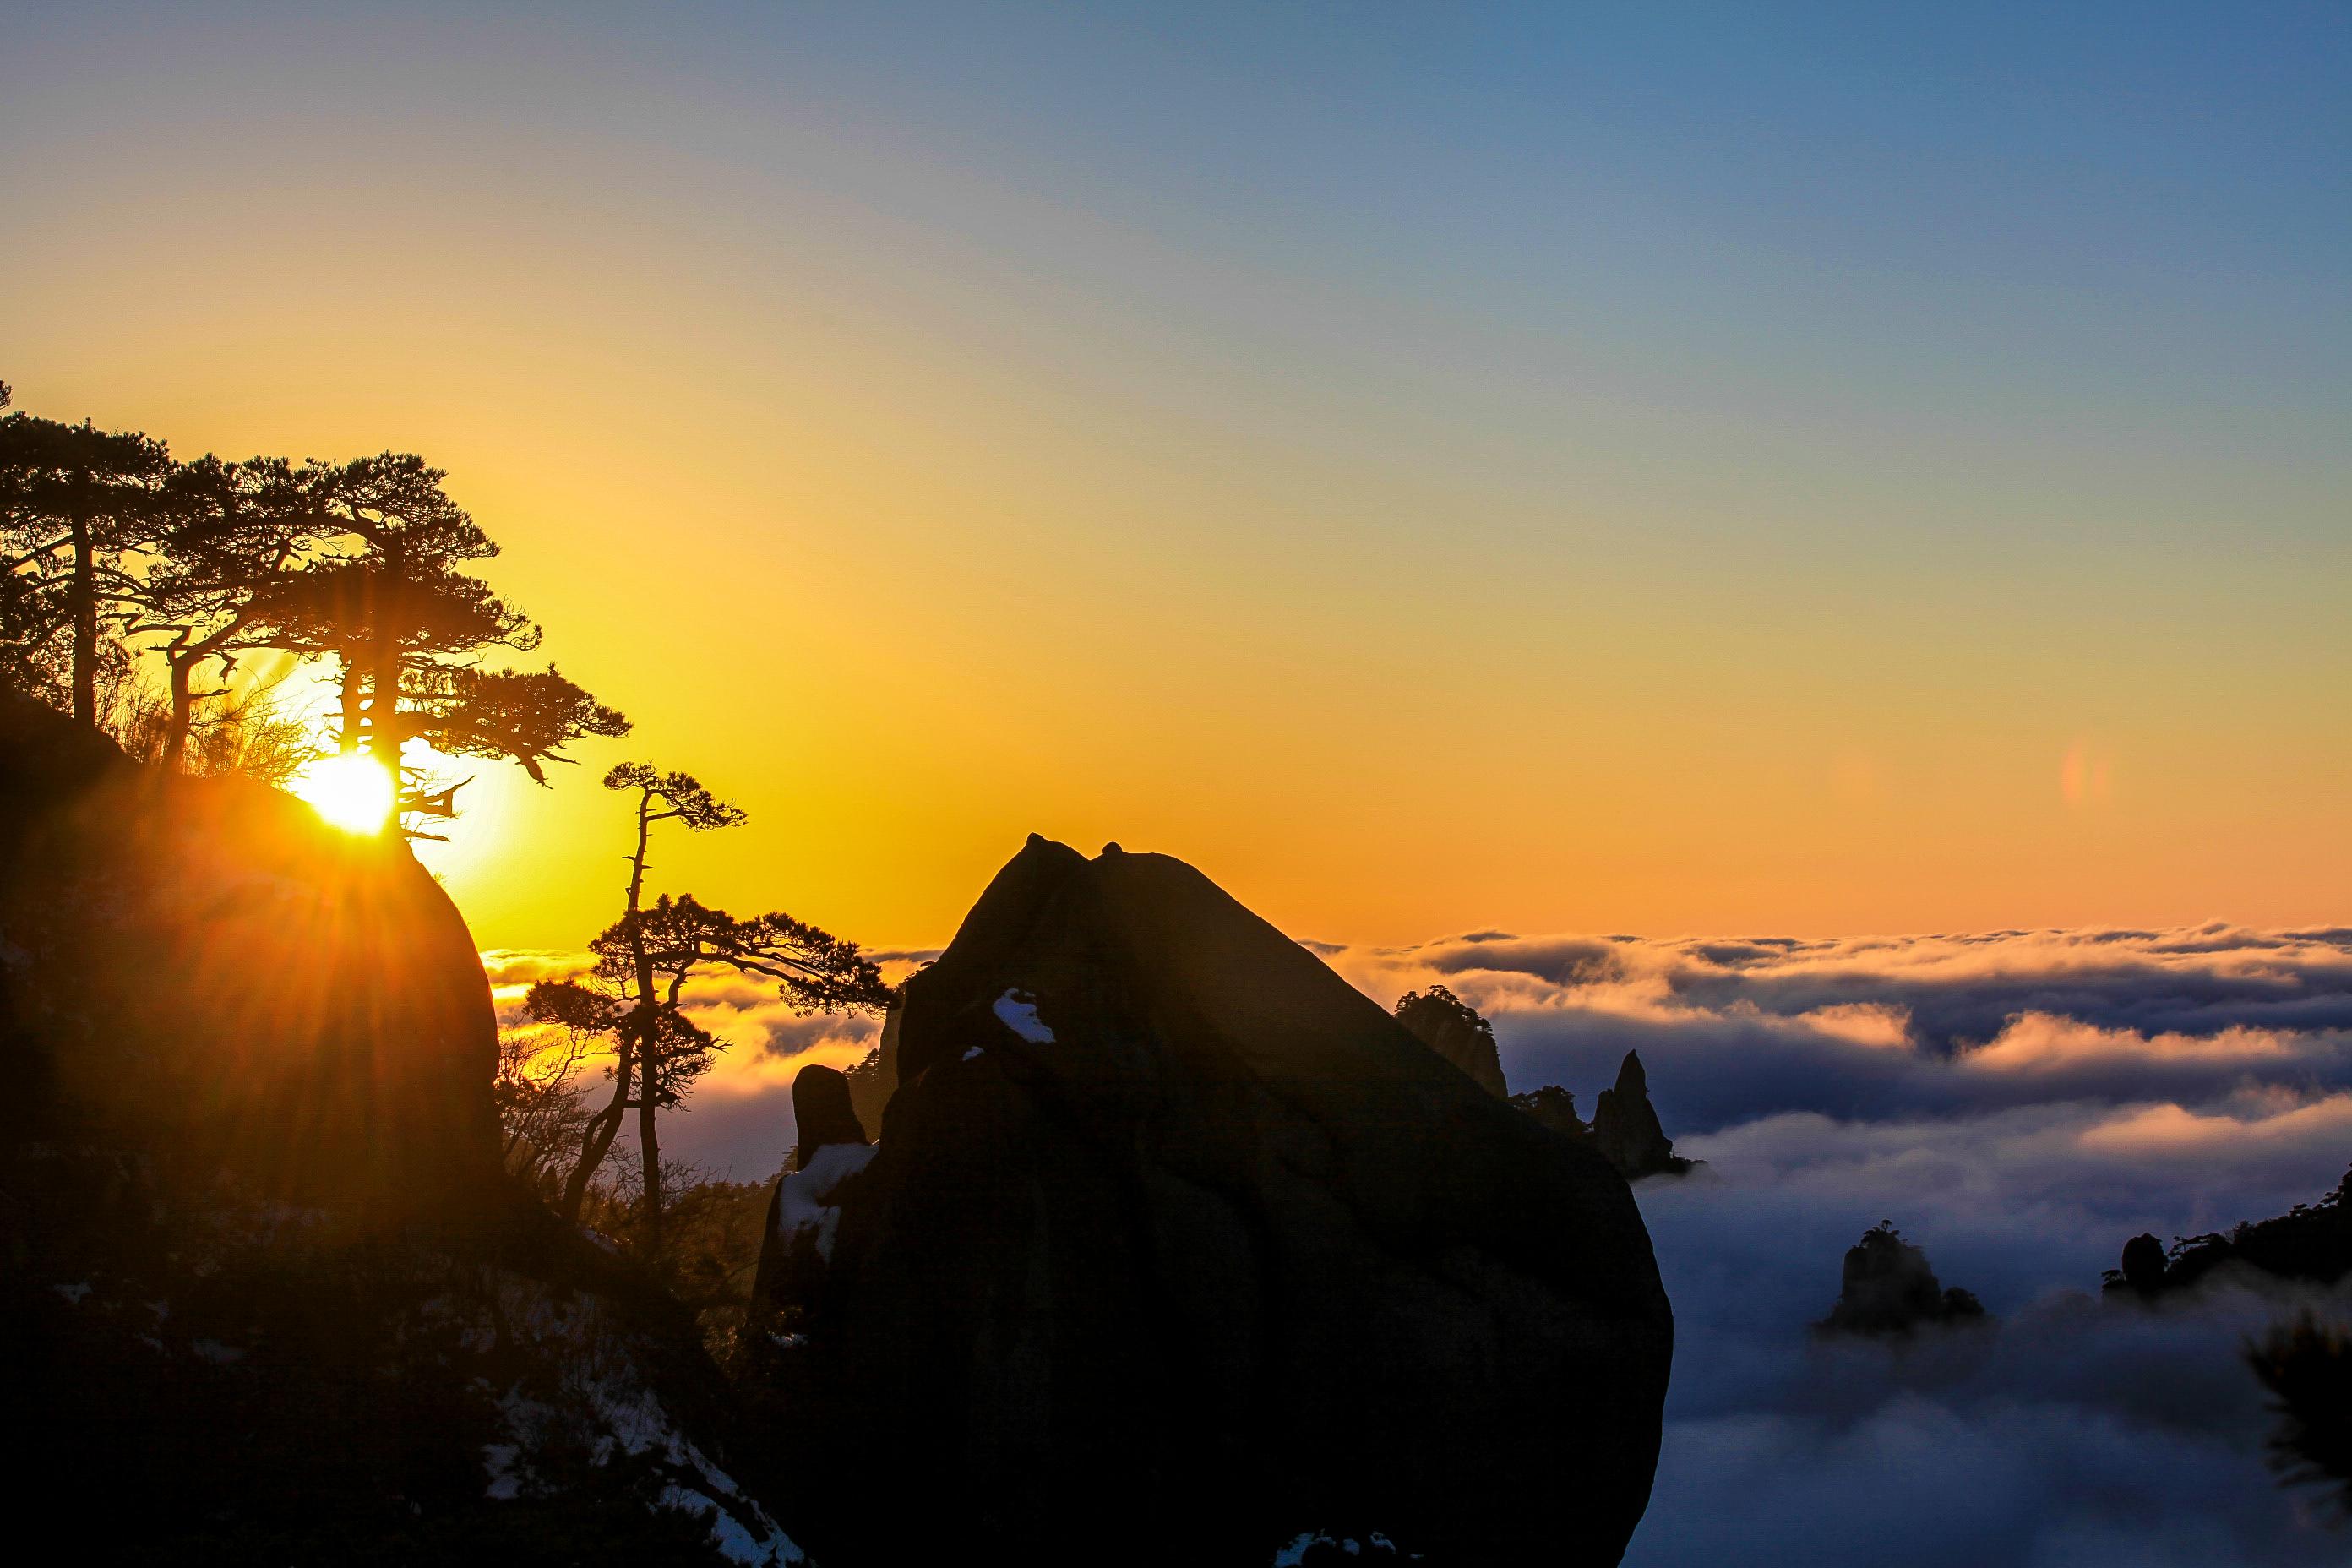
1664,470
1728,483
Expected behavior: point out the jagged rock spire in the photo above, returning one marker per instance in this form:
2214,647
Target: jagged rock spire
1625,1126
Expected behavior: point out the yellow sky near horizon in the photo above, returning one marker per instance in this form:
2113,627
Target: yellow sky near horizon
1373,735
1368,735
920,491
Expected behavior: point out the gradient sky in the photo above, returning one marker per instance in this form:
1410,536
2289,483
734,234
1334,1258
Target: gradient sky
1857,470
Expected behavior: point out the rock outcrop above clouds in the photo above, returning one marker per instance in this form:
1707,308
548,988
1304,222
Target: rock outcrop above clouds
1177,1248
1455,1031
1888,1288
1626,1127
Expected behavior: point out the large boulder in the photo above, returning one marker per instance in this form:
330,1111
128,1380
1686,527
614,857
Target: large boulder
207,967
268,1295
1177,1248
822,1114
2143,1265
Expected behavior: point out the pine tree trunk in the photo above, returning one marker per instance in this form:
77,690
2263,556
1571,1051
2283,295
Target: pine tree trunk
84,594
175,732
648,1037
348,740
649,1153
385,738
598,1140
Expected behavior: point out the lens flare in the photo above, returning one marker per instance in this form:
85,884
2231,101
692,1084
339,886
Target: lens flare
353,791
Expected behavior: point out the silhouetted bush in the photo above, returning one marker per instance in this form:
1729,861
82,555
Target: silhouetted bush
2311,1242
2307,1364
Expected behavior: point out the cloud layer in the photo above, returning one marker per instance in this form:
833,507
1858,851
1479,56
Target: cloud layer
1885,1026
2019,1102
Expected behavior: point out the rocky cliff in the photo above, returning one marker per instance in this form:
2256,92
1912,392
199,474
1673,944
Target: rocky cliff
1177,1248
268,1295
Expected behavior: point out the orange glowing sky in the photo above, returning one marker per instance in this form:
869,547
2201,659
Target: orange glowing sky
1419,498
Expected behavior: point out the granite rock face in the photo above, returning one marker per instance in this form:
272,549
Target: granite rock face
1177,1248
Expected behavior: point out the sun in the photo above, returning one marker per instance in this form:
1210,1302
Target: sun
352,790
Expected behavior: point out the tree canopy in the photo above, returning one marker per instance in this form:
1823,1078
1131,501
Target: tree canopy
113,554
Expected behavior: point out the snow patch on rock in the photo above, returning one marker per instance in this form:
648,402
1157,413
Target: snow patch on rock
499,1459
1017,1011
805,1206
602,1397
1294,1554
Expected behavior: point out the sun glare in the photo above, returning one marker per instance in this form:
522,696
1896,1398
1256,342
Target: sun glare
353,791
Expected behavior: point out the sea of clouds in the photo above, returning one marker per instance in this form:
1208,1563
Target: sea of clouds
2018,1103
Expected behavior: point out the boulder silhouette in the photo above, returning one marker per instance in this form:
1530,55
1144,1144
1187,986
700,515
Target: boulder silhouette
262,1254
822,1112
1625,1126
1454,1030
1177,1248
206,963
804,1207
2144,1263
